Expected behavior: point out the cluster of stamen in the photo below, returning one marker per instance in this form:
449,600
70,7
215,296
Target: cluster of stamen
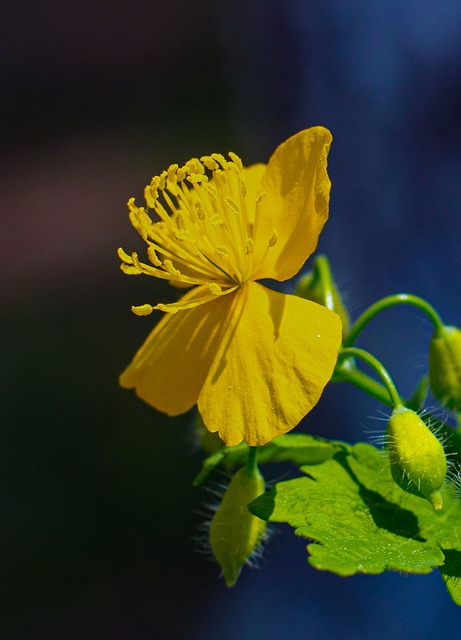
203,234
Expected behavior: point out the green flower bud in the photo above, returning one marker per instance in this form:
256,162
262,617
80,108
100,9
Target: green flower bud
445,367
318,285
416,456
235,533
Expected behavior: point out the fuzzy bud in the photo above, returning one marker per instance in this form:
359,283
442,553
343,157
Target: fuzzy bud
445,367
235,533
416,456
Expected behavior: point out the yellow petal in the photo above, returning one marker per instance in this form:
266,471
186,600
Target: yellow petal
295,205
274,359
170,368
252,178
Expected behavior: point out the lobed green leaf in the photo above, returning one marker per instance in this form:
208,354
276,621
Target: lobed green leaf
360,521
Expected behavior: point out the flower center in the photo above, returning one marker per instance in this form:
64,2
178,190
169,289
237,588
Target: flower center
204,232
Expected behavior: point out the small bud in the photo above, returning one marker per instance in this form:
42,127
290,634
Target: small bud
416,456
445,367
235,533
312,287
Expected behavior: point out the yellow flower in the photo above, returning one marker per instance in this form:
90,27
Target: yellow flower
254,360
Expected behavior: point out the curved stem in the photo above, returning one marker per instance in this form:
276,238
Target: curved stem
365,383
385,303
322,265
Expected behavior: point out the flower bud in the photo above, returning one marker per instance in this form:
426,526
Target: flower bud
235,533
445,367
312,287
416,456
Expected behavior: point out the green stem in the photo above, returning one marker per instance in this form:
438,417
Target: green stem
252,465
385,303
387,394
363,382
322,266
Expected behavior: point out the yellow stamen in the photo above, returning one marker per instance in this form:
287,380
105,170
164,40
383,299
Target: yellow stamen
129,270
166,308
236,160
249,245
171,269
142,310
124,256
203,234
214,288
153,257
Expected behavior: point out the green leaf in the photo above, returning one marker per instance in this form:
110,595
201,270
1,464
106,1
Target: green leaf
359,519
451,573
300,449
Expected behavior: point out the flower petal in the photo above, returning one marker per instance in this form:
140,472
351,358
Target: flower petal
170,368
274,359
252,177
297,191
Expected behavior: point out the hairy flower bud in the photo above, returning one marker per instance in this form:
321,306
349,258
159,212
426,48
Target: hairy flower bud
416,456
235,533
445,367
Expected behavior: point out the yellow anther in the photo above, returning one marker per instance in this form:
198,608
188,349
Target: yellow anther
150,196
233,206
168,265
172,169
139,219
201,214
152,255
209,163
182,235
220,158
130,270
194,166
249,245
141,216
142,310
214,288
179,219
220,178
196,178
124,257
243,187
222,250
273,239
162,180
181,174
236,160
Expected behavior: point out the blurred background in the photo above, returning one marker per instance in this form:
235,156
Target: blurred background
98,515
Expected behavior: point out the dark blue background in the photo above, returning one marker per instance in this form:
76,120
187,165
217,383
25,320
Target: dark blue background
98,515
